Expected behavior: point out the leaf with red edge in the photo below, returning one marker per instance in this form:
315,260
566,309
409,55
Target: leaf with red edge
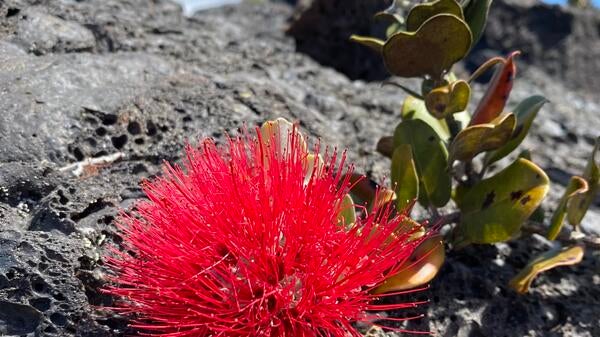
493,102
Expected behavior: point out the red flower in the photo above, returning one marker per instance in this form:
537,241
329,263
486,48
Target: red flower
237,243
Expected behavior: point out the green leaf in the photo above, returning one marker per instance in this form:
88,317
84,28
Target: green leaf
431,158
576,186
423,12
525,112
476,14
494,209
581,202
414,108
404,176
439,43
546,261
347,215
371,42
448,99
463,117
482,137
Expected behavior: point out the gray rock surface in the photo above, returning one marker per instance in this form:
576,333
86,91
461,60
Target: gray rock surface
40,33
151,80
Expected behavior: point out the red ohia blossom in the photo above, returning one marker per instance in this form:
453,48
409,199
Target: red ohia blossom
239,243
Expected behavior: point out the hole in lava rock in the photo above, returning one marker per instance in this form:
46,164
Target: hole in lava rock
38,284
58,319
41,303
78,154
12,12
151,129
119,141
109,119
101,131
134,128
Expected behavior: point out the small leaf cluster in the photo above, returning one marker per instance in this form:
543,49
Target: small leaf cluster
442,155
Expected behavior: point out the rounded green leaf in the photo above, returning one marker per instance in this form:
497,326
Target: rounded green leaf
448,99
580,203
463,117
414,108
430,157
482,137
422,12
439,43
494,209
404,176
525,112
546,261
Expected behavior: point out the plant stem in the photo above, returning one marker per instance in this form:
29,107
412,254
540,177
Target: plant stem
485,67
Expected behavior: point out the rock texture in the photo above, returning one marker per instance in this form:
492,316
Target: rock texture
128,82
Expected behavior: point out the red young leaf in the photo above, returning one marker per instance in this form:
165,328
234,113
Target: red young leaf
493,102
